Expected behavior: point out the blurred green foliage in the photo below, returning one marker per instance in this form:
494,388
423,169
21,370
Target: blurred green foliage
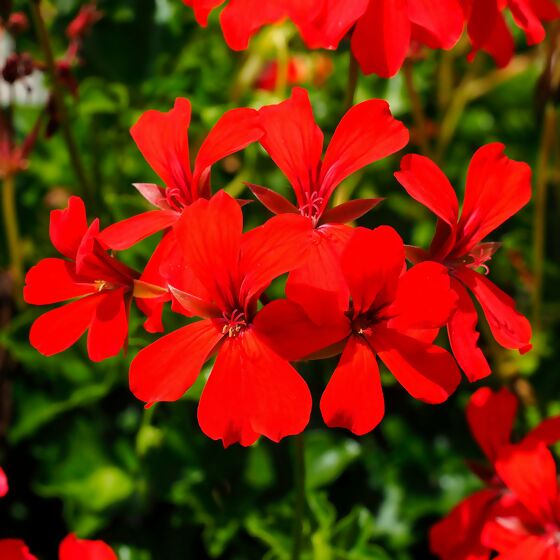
83,455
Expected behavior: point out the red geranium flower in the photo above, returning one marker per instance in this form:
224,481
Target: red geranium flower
383,36
488,30
163,140
3,483
322,23
14,549
386,318
530,527
251,390
368,132
497,187
490,416
100,286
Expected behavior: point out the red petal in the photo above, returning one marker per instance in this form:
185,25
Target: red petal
72,548
271,250
458,536
491,416
12,549
195,306
163,140
529,471
367,133
108,330
521,546
294,141
286,328
547,432
427,372
154,194
353,398
273,201
209,235
509,327
57,330
160,371
349,211
424,181
546,10
240,19
463,336
526,18
372,263
202,9
424,299
126,233
438,25
68,226
329,24
3,483
381,38
497,188
319,285
54,280
235,130
251,392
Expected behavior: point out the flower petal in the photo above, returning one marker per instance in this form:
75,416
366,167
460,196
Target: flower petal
427,372
202,9
463,336
72,548
57,330
13,549
381,38
372,263
293,141
491,417
3,483
54,280
251,392
424,299
458,536
526,18
438,25
269,251
497,188
162,137
126,233
509,327
349,211
547,432
108,331
529,471
209,237
235,130
353,398
273,201
287,329
368,132
160,372
68,227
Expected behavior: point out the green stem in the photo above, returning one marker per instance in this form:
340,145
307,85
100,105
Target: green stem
352,85
417,108
58,93
539,222
12,230
299,510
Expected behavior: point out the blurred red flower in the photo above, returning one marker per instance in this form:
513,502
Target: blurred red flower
251,391
497,188
14,549
3,483
386,318
100,286
488,30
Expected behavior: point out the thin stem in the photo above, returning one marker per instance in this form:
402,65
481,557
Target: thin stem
12,230
539,221
58,93
352,85
299,510
417,108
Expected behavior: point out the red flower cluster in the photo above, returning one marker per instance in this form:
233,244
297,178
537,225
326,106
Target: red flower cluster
517,514
348,289
383,32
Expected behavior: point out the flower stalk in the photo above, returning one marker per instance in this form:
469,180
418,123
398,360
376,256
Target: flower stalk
299,510
12,230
